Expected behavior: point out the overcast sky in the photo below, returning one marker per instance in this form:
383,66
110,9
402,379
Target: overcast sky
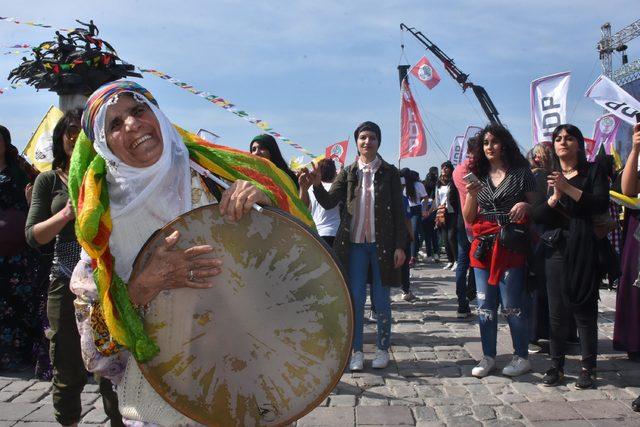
315,69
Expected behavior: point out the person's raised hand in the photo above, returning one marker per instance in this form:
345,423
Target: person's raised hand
305,179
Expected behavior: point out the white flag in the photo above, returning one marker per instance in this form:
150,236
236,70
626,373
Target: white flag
455,152
609,95
548,105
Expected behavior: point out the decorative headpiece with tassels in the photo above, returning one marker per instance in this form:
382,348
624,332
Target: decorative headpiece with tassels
90,198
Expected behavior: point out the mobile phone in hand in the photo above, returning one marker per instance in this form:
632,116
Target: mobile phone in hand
470,177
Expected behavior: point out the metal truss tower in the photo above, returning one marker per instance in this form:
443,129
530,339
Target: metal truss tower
609,43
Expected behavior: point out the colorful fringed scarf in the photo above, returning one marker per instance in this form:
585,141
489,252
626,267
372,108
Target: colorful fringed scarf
88,191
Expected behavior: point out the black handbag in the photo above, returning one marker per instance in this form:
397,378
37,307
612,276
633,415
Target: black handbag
515,237
550,238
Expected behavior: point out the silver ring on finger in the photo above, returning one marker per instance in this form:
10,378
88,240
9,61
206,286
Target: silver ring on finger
191,276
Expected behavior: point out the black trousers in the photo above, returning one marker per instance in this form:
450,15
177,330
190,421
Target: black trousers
406,275
449,236
69,374
560,316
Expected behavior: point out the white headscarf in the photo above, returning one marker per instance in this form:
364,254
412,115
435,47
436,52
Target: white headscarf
142,200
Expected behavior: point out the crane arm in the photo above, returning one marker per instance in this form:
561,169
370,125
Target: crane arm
449,65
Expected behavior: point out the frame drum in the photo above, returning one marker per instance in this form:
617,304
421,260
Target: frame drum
269,341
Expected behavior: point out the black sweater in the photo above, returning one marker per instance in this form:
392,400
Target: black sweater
594,200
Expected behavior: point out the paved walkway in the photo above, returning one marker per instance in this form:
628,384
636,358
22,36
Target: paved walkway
428,381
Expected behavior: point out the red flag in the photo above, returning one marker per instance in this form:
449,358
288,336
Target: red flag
337,151
590,145
413,139
424,72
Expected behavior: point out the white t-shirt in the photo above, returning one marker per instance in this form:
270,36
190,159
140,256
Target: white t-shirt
327,221
442,196
420,193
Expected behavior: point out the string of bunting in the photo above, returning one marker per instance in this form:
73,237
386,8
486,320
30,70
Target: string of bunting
32,24
217,100
14,86
223,103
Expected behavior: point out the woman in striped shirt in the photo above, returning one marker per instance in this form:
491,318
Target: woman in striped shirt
502,194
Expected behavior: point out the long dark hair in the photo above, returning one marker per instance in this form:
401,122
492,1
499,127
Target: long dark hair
14,160
269,142
410,179
582,152
509,151
10,151
60,158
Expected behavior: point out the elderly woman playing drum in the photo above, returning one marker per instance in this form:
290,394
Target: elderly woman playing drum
133,172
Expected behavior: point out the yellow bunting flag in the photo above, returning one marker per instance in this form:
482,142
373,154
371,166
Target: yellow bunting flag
39,150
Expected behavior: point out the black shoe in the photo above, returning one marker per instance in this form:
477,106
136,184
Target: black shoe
586,379
635,405
552,377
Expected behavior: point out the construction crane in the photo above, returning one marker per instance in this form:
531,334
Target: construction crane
483,97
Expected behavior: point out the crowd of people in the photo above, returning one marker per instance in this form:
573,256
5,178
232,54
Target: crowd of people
531,236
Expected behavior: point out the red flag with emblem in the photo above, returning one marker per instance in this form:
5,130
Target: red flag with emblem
337,151
413,138
425,72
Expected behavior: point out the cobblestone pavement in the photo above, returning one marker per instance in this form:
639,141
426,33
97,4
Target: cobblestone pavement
428,381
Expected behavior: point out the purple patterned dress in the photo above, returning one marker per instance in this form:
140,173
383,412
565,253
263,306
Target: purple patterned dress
21,299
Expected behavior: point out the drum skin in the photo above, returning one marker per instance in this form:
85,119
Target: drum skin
268,342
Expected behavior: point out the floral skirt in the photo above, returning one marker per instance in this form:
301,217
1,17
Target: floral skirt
23,293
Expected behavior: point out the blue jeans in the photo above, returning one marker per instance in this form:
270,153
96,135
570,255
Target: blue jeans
416,225
510,292
431,236
461,271
360,256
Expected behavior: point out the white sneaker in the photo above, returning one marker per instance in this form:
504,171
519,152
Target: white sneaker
448,266
381,360
517,366
357,361
484,368
373,317
454,266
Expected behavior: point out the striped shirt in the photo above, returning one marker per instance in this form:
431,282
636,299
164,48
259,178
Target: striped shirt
494,203
363,224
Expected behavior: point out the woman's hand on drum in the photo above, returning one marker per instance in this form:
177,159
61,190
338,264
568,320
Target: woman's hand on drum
171,268
239,198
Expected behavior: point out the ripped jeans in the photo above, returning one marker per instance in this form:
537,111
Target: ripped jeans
360,256
510,292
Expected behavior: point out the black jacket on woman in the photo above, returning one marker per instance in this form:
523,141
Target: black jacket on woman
573,221
391,230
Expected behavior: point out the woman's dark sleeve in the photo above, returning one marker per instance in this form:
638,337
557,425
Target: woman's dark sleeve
336,194
544,214
398,211
40,209
597,201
